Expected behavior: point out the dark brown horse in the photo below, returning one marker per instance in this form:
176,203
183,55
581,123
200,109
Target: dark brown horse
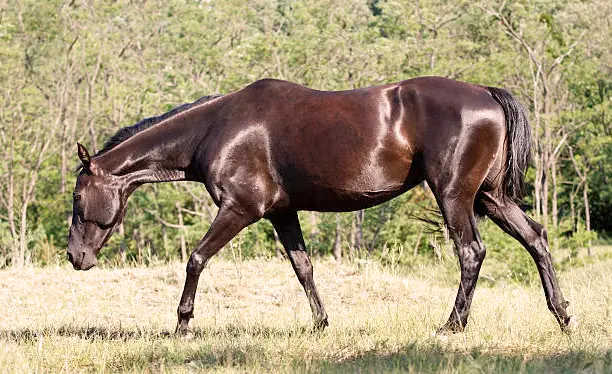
274,148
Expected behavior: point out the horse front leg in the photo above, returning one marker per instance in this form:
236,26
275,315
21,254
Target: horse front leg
287,227
226,225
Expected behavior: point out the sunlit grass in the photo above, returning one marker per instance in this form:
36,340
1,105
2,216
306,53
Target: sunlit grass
253,316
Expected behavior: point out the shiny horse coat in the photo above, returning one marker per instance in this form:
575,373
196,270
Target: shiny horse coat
275,147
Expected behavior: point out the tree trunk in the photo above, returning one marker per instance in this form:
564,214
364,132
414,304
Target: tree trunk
11,214
352,243
415,251
546,149
573,213
544,200
314,232
182,231
23,226
538,187
359,215
337,249
587,212
555,211
585,195
141,244
537,155
136,238
122,246
90,78
165,240
68,143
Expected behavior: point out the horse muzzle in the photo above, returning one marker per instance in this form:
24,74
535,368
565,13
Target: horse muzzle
82,260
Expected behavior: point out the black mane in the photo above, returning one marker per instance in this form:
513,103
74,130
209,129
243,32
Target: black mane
129,131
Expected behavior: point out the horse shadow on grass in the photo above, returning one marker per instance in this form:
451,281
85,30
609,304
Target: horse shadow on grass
416,357
29,335
428,359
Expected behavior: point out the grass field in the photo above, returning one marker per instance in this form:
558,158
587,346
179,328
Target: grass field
253,316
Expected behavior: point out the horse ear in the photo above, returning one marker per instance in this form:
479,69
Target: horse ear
84,156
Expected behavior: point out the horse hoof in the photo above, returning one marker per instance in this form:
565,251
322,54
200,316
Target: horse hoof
185,333
440,336
188,335
571,324
449,328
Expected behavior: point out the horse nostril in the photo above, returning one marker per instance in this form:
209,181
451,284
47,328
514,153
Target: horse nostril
70,257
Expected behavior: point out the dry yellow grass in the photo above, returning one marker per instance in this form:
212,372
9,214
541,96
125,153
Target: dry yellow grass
252,316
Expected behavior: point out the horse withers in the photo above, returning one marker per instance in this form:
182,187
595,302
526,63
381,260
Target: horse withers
275,147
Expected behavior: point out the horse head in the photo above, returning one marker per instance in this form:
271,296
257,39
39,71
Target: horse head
99,203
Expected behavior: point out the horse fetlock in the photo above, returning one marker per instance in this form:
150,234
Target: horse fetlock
570,324
320,324
558,308
185,312
451,327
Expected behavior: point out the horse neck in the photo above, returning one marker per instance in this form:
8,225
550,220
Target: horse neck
161,153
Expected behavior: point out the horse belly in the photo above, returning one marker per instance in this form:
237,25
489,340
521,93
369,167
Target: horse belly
324,199
340,172
367,186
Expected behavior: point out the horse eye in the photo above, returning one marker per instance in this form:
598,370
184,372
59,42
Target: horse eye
77,197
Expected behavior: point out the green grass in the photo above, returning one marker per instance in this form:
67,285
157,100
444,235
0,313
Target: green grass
254,317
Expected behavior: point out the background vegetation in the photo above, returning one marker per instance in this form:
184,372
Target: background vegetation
80,70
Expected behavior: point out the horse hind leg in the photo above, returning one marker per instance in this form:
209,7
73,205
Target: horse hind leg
461,222
465,165
510,218
288,229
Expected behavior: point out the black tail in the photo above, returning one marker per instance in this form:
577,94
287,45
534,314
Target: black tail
518,143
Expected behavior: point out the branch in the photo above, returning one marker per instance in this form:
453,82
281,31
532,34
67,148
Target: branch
562,57
444,22
576,167
204,201
557,148
193,212
123,49
164,222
